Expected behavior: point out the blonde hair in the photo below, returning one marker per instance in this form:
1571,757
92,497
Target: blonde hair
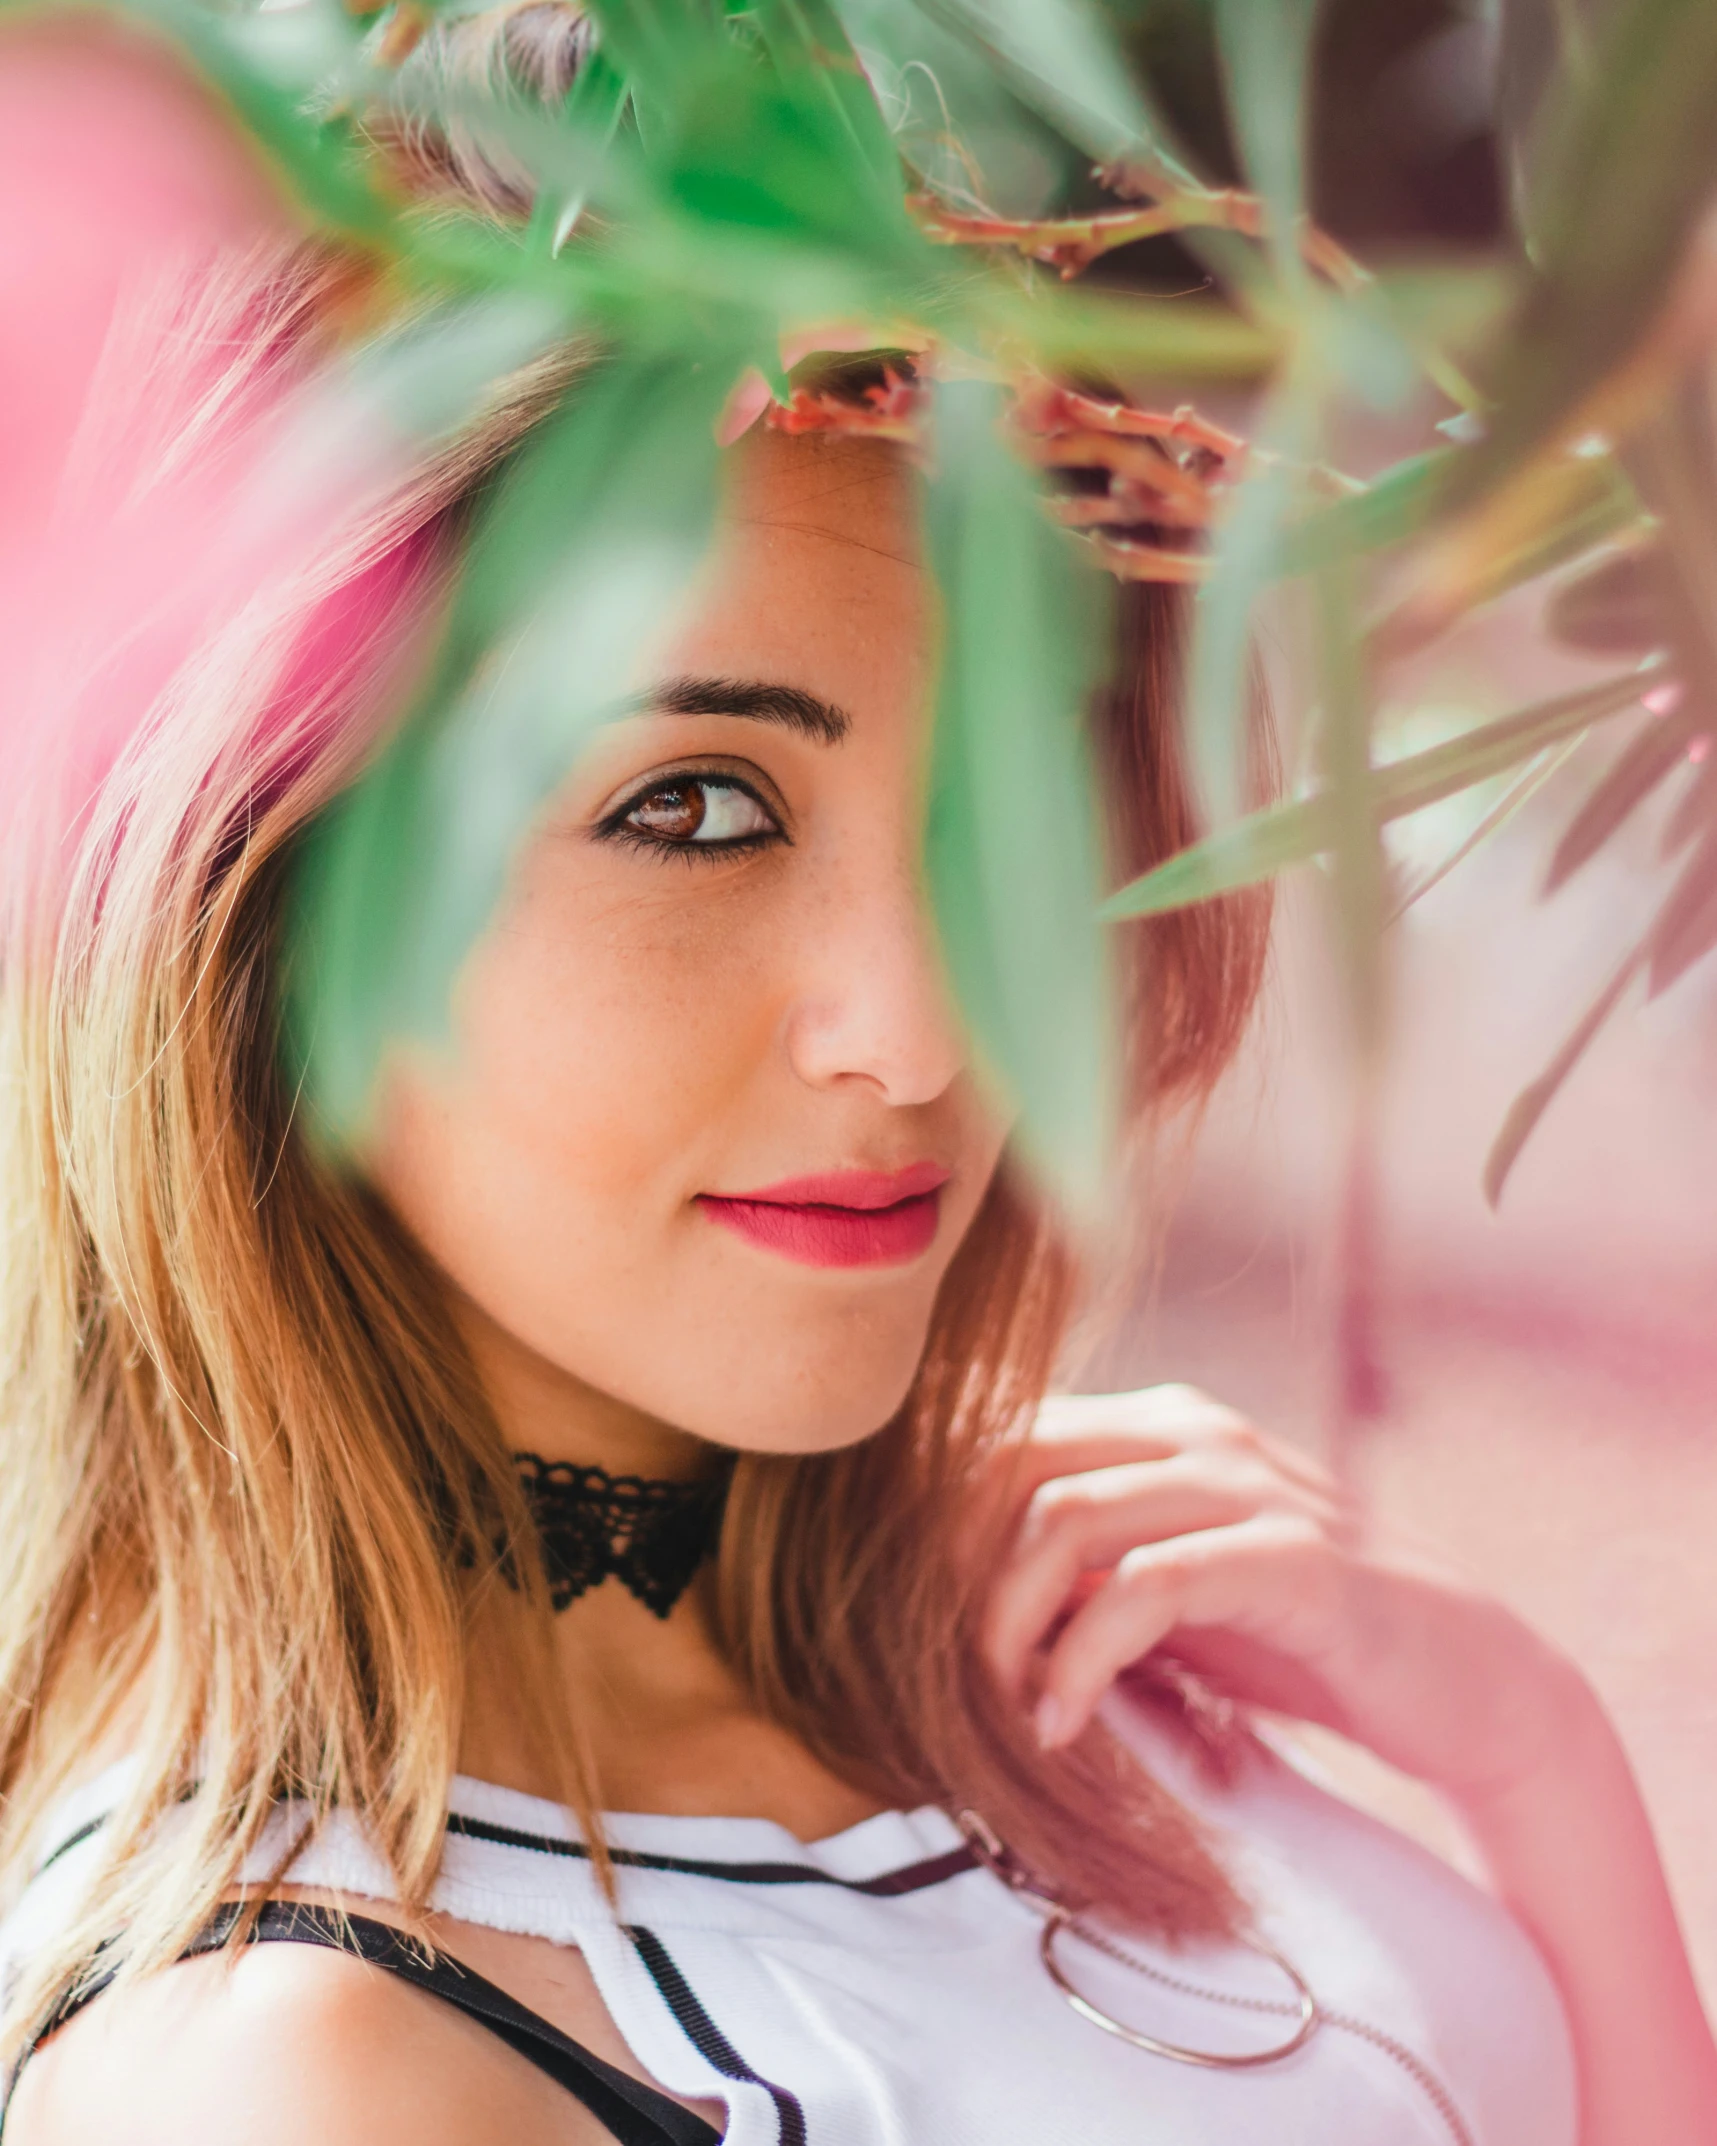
251,1487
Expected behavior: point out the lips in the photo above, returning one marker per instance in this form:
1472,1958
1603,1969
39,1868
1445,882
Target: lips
841,1218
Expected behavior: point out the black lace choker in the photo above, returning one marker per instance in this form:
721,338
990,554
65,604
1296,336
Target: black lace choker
650,1536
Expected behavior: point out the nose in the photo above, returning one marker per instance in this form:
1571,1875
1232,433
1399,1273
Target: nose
874,1005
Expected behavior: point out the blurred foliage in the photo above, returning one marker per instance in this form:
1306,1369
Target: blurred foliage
727,179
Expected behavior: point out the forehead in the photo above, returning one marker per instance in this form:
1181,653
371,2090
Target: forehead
860,493
814,577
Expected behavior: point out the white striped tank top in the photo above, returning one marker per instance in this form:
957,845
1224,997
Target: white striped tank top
883,1988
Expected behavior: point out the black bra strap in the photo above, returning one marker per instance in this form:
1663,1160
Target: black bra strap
636,2114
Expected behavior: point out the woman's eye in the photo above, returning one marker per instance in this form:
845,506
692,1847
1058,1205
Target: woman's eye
698,811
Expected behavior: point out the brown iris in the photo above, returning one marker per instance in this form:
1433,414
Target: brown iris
675,812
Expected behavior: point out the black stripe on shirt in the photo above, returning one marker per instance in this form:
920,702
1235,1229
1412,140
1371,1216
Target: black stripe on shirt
707,2038
890,1885
911,1878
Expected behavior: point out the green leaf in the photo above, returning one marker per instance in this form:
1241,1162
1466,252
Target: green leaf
571,578
1060,58
659,45
1246,556
428,377
1266,51
591,114
1548,513
1291,833
270,68
1540,44
1544,512
1395,505
1422,779
1153,335
752,149
954,117
1628,162
775,131
808,40
1013,839
1541,768
1344,741
1630,158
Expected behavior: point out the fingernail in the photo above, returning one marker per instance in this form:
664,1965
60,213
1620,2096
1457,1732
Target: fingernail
1047,1720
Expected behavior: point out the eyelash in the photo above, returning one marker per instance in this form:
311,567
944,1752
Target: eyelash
613,827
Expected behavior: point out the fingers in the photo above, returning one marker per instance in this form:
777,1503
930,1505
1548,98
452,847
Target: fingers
1080,1523
1141,1512
1101,1430
1272,1574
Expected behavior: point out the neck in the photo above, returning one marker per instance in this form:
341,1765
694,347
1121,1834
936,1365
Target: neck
546,1410
665,1719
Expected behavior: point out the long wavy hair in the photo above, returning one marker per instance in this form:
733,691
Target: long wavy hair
250,1484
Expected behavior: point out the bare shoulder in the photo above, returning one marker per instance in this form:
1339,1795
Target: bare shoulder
284,2045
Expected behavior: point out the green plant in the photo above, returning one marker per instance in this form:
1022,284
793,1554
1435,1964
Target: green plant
728,180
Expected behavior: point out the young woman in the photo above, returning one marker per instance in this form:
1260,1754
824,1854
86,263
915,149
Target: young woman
649,1421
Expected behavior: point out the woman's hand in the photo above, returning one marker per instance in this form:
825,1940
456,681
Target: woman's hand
1161,1513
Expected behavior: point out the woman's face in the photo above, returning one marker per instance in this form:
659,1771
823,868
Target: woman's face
709,1139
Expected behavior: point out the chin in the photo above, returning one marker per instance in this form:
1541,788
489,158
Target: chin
801,1400
845,1418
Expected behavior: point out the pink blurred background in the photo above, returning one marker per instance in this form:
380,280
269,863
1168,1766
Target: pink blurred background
1551,1370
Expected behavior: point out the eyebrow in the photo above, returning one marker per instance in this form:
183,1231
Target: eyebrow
761,700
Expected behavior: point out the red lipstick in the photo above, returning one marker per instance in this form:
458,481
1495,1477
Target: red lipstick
841,1218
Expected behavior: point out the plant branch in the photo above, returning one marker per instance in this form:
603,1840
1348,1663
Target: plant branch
1072,243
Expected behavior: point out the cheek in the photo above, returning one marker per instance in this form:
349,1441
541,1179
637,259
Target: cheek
608,1050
